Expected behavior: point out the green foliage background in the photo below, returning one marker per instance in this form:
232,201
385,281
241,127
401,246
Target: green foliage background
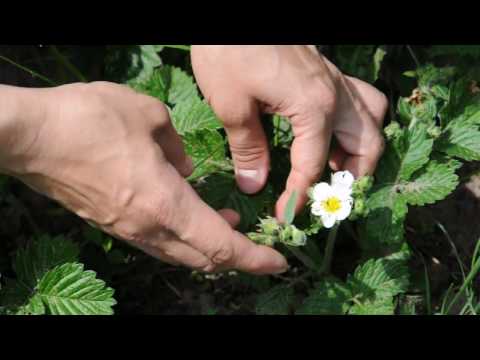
430,137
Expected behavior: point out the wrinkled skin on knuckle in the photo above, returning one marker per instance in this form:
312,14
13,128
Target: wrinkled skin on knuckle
318,98
247,155
153,108
222,256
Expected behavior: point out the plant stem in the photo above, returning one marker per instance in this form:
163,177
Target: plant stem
303,258
179,47
466,283
31,72
413,56
67,64
327,258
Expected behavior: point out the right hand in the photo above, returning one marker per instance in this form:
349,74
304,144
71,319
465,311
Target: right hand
112,157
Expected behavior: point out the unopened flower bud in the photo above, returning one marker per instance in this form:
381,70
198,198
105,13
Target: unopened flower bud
270,226
435,132
298,237
262,239
363,184
393,130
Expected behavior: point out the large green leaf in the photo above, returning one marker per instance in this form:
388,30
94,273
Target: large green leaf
41,255
207,150
69,290
384,226
430,184
328,297
461,139
380,277
375,283
170,85
275,301
49,281
404,155
192,115
64,290
376,306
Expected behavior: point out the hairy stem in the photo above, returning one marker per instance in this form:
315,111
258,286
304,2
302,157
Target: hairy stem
180,47
466,283
303,258
31,72
327,259
67,64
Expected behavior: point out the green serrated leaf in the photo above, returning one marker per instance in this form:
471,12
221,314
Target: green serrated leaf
170,85
404,155
69,290
430,184
193,115
207,150
42,255
384,226
377,306
380,277
289,214
328,297
375,283
182,87
275,301
461,139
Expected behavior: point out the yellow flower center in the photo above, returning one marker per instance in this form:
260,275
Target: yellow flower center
332,204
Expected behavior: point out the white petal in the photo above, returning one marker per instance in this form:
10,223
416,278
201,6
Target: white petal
328,220
343,178
342,192
321,191
344,211
317,208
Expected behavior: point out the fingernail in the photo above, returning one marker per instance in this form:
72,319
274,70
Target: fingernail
250,181
281,265
283,269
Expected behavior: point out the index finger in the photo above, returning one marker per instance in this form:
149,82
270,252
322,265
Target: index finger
309,152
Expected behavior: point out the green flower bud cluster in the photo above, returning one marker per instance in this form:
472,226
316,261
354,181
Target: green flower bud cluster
271,232
393,130
435,132
359,194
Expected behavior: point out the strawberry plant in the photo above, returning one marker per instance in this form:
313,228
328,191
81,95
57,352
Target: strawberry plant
351,249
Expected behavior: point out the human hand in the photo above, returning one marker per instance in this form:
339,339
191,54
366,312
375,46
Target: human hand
296,82
112,156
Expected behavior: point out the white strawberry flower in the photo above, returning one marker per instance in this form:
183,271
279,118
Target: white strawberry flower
333,202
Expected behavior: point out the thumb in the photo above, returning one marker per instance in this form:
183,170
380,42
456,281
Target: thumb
248,144
224,247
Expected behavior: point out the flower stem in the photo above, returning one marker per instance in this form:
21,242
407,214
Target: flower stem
303,258
31,72
327,259
179,47
67,64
